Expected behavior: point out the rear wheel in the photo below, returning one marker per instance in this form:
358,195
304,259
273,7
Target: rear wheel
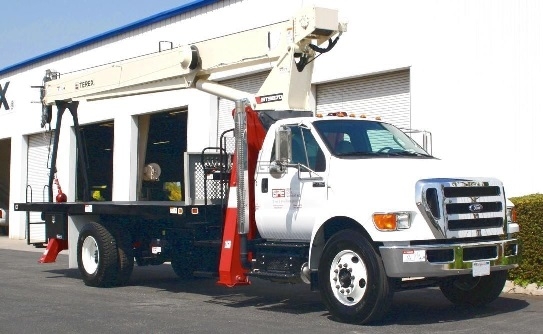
474,291
97,256
352,279
183,264
185,260
125,254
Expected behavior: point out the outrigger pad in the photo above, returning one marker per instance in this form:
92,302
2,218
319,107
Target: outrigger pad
54,247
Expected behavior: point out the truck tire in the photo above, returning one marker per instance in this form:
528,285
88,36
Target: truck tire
182,265
474,291
352,280
97,257
125,254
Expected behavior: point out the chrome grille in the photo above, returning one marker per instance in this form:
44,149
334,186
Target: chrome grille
462,208
476,223
456,208
471,191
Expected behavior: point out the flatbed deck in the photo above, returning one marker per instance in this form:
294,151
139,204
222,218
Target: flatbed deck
143,208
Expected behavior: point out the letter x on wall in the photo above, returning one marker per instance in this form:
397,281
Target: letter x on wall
3,100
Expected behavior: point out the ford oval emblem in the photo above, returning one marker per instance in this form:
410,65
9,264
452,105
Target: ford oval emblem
475,207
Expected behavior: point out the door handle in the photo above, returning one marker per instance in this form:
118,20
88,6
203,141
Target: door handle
264,185
319,184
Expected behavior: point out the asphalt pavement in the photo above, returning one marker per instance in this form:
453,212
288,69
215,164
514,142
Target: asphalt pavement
51,298
21,245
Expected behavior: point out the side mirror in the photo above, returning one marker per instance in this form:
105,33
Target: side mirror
282,151
283,145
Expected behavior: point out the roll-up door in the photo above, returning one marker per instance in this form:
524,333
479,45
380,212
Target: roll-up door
39,154
250,84
384,95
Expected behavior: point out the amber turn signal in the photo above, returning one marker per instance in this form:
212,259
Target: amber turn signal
385,221
391,221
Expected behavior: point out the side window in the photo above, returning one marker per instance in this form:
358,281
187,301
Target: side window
298,146
305,150
310,153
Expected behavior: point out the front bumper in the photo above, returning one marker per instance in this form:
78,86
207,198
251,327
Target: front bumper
440,260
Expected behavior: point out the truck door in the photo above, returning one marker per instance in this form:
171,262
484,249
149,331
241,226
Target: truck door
289,204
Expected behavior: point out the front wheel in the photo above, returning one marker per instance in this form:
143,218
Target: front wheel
352,279
97,256
474,291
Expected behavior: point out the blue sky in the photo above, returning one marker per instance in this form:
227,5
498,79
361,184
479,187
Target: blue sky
31,28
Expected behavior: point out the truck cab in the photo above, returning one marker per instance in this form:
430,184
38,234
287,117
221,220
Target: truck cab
333,160
371,173
358,190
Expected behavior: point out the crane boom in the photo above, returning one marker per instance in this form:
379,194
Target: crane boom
287,46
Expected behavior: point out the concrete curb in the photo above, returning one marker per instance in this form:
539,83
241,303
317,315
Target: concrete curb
20,245
531,289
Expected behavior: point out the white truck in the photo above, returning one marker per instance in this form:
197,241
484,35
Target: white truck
351,206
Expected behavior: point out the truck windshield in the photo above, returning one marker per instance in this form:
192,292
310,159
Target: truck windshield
352,137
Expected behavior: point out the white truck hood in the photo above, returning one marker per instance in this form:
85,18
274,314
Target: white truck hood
387,183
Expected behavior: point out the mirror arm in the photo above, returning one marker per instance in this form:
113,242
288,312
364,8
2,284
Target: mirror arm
300,166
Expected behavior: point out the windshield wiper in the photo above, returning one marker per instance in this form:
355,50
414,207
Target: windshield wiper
361,153
384,154
409,153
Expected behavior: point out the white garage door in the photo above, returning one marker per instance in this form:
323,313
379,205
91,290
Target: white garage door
385,95
37,180
250,84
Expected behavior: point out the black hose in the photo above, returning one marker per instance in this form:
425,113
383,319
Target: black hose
330,46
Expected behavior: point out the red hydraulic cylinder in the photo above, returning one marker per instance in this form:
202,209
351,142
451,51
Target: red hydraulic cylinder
231,270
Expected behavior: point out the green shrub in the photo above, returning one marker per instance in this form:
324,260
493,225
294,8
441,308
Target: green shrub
530,219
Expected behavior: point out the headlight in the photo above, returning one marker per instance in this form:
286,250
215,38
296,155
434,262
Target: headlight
512,226
511,214
392,221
